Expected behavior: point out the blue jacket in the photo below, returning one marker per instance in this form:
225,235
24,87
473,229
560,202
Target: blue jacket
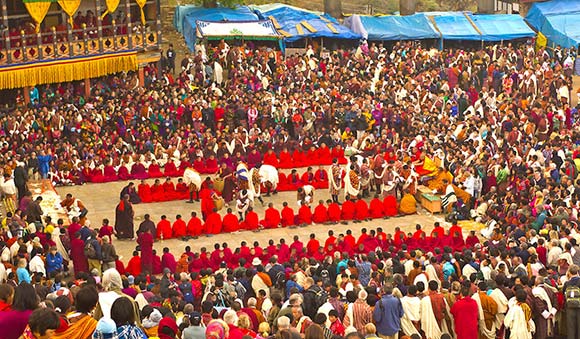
53,262
44,163
387,315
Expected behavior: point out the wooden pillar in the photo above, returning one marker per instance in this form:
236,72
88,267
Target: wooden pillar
87,88
99,24
141,76
129,23
6,30
26,95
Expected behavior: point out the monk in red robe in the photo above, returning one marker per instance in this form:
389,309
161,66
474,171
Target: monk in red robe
320,215
164,228
134,265
323,155
361,210
145,241
320,178
251,220
310,157
285,159
157,268
207,204
334,212
230,223
181,190
348,209
308,177
376,208
110,174
438,231
123,173
194,226
456,234
390,206
144,191
179,227
331,240
399,237
287,215
183,166
293,181
154,171
213,223
298,158
211,165
169,190
170,170
157,192
270,158
304,215
271,218
254,158
138,171
419,233
313,245
199,165
338,153
471,240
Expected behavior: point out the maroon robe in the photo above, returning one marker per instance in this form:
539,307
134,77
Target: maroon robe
77,254
145,241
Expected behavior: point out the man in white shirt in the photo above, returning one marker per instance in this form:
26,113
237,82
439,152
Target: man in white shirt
36,265
9,191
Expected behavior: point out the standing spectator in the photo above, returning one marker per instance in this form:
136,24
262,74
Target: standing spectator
34,211
572,293
170,59
44,159
93,252
20,178
9,193
108,254
387,314
465,315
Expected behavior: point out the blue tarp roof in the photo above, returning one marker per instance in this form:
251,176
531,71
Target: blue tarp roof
455,26
392,27
497,27
190,15
288,17
557,20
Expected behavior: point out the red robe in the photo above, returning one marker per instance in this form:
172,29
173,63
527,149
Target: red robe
230,223
145,241
157,269
134,266
465,314
138,171
98,176
251,221
376,208
154,171
334,212
110,174
470,241
213,223
350,241
207,204
124,173
390,206
307,178
304,215
211,166
157,193
77,255
348,210
320,214
338,154
271,218
169,191
323,156
179,228
144,191
298,158
164,229
181,191
170,170
330,241
361,210
286,160
312,246
320,179
270,159
284,253
287,217
199,166
194,227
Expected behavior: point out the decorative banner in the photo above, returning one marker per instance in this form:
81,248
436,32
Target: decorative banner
141,4
37,10
70,7
111,7
541,41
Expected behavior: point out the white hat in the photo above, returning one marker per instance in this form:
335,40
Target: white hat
256,262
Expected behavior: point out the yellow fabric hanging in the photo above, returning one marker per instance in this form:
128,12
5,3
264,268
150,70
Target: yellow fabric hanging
308,26
299,29
70,7
66,70
541,41
141,4
331,28
37,11
111,7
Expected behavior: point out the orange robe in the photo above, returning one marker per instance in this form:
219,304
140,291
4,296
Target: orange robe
376,208
304,215
287,217
348,208
164,229
179,228
320,214
230,223
213,223
271,218
361,210
194,227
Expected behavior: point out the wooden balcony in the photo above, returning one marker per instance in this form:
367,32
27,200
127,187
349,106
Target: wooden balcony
55,45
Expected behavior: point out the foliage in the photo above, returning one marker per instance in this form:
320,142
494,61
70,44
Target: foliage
214,3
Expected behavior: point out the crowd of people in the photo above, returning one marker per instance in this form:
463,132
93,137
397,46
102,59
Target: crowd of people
490,131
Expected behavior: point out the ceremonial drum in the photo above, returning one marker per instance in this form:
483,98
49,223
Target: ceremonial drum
218,184
269,173
219,203
192,178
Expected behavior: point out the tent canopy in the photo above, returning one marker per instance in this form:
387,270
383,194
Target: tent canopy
557,20
454,26
295,23
497,27
392,27
249,30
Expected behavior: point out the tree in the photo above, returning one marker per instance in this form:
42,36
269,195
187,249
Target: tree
333,7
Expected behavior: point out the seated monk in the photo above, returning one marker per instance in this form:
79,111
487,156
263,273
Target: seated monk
361,211
333,211
138,171
424,165
338,153
437,182
293,181
320,215
390,206
298,158
87,173
320,178
348,209
282,182
307,177
144,191
287,215
124,173
310,157
170,170
304,215
323,155
154,170
285,159
194,226
211,165
376,208
213,223
230,223
169,190
456,234
98,176
110,173
408,204
157,192
471,240
179,227
270,158
181,190
199,165
271,218
182,167
164,228
251,220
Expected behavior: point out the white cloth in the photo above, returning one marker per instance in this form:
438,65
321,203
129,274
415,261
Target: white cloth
106,300
515,320
428,321
483,330
349,189
36,265
411,312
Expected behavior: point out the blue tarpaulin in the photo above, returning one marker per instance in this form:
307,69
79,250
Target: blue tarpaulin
557,20
497,27
295,23
455,26
392,27
190,15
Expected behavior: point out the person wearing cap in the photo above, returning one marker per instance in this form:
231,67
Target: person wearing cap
168,328
106,329
194,330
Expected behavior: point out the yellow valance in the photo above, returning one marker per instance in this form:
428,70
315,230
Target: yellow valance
141,4
111,7
70,7
37,11
66,70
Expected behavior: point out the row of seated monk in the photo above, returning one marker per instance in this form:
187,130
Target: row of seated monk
168,191
211,165
324,213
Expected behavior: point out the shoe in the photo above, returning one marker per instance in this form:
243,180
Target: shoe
189,202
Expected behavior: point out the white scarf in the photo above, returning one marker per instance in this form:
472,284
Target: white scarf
428,321
483,330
